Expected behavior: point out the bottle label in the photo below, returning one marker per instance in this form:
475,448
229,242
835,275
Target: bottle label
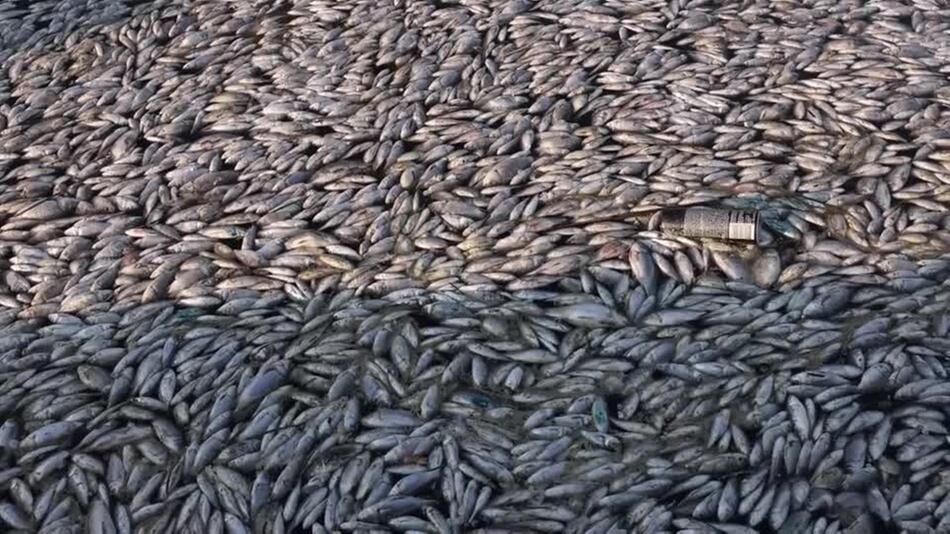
743,225
736,225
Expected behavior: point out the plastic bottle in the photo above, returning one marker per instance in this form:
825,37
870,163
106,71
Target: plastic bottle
711,223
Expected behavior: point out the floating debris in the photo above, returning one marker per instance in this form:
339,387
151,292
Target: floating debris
732,225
